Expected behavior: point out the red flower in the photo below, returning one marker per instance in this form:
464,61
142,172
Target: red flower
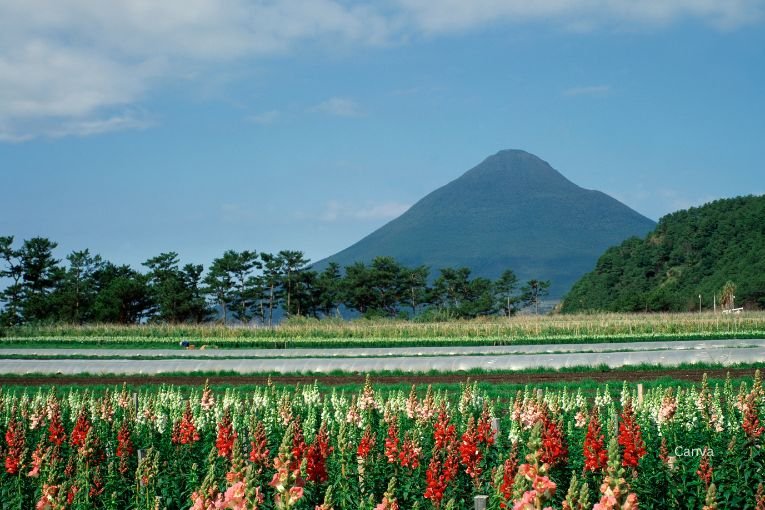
508,479
298,446
124,441
439,475
630,438
664,451
485,433
317,455
226,436
259,446
477,437
470,455
595,453
409,456
125,448
366,444
705,469
70,495
391,443
14,438
554,450
56,433
751,420
187,432
80,431
444,433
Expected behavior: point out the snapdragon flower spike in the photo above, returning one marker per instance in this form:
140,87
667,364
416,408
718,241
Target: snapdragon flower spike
367,443
298,444
442,469
125,448
224,441
14,440
81,429
532,476
37,462
287,481
595,454
389,501
317,455
444,432
710,502
751,420
187,431
554,449
506,478
578,496
409,456
259,453
614,489
759,499
470,453
56,432
630,438
705,469
391,443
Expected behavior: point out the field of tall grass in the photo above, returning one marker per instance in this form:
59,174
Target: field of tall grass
302,332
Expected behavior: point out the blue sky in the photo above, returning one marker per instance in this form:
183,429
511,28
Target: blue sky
200,126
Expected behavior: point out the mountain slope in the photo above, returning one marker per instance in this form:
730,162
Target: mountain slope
511,211
691,252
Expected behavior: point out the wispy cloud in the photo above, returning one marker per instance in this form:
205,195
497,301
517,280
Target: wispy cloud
590,90
127,120
336,211
580,15
74,61
266,118
338,107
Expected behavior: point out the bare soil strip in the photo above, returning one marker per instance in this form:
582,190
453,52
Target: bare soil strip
418,379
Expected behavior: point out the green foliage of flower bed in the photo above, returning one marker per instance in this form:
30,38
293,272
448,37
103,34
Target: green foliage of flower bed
272,447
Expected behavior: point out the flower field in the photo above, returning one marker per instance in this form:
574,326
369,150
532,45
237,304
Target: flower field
687,447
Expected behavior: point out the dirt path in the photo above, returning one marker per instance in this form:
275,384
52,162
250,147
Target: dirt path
331,380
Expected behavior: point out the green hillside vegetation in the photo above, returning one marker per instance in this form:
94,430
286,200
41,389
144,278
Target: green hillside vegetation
511,211
690,253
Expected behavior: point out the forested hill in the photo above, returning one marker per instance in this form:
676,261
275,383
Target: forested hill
691,252
513,210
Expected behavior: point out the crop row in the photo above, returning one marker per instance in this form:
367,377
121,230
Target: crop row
515,328
270,448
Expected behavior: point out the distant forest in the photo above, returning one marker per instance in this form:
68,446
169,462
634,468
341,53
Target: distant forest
239,287
695,258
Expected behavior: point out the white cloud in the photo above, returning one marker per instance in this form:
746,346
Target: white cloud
590,90
338,211
80,62
339,107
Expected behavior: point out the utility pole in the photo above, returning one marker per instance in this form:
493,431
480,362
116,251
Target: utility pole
699,303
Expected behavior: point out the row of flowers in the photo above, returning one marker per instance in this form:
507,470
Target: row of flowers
273,448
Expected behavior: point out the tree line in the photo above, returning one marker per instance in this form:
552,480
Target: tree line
240,286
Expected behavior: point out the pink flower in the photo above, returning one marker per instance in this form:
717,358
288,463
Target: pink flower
295,494
526,502
544,487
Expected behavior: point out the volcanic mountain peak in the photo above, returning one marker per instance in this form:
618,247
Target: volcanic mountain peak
512,211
